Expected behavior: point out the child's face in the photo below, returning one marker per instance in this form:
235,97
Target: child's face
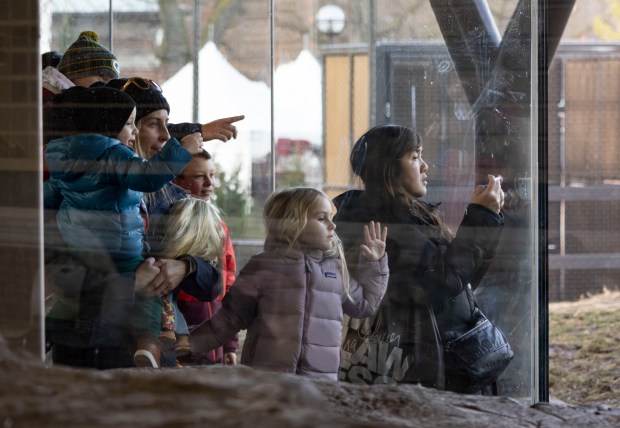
319,231
127,136
198,178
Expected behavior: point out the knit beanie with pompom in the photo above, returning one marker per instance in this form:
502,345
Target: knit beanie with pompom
86,57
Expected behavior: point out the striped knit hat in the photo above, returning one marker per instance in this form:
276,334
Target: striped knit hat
86,57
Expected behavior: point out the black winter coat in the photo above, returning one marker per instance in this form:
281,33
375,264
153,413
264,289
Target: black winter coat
402,342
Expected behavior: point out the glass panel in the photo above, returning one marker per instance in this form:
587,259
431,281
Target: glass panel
459,77
311,86
160,44
190,51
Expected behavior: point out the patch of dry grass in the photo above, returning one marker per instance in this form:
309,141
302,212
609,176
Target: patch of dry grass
584,350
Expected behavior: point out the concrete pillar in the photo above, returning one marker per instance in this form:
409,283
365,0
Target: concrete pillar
21,289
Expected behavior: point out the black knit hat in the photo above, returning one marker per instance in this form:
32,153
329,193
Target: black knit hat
50,59
94,110
86,57
146,93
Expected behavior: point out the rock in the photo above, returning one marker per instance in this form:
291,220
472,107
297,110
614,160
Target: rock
36,395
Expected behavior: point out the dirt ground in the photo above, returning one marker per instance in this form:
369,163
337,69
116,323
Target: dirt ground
584,350
585,338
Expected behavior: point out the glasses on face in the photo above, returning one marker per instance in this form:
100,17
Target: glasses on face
142,84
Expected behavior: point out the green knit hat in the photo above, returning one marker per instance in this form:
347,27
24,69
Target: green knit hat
86,57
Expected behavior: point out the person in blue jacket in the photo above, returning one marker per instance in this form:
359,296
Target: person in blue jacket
96,184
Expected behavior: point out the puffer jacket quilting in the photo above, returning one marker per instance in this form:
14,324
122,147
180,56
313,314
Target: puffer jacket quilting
96,184
292,305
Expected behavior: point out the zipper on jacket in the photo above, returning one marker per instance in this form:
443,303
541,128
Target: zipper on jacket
306,315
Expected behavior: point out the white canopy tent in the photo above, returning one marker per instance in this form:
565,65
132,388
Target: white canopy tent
224,91
298,99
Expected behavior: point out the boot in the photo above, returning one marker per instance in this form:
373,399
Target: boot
148,353
181,347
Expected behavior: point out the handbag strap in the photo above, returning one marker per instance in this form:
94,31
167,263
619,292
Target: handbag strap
469,288
441,369
470,298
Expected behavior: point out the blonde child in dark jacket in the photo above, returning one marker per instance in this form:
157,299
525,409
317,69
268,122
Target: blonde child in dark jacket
193,227
292,297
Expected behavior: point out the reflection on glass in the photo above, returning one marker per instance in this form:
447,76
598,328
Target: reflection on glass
458,77
90,321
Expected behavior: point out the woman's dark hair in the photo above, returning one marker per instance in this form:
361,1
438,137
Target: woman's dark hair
374,156
375,159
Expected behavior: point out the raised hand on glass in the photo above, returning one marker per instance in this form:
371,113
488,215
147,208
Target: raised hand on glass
373,246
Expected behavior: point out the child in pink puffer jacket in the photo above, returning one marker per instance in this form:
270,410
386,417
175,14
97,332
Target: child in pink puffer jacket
292,297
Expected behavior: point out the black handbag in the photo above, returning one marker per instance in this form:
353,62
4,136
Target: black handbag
477,357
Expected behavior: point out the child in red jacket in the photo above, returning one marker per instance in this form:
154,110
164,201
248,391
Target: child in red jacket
198,179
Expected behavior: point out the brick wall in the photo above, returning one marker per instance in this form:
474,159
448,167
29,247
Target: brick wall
21,297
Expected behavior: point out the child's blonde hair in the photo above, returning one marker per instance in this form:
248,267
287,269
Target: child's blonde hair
286,215
194,226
